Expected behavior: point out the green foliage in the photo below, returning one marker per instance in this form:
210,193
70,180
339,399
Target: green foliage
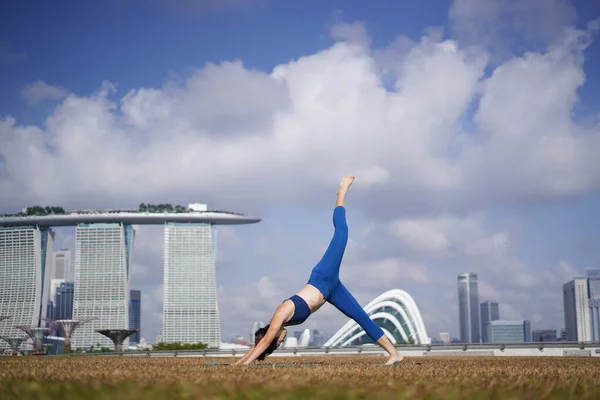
161,208
179,346
99,349
410,341
38,211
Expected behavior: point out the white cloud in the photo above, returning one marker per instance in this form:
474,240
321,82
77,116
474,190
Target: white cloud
317,118
384,274
450,236
267,288
40,90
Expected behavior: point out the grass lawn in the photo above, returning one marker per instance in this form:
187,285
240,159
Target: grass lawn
355,377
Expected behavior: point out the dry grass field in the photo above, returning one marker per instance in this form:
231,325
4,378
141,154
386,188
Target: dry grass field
357,377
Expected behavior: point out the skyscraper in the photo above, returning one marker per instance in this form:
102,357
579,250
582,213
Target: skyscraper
595,319
190,310
25,260
61,264
527,328
490,311
102,263
544,335
135,315
61,271
593,276
63,306
468,308
576,309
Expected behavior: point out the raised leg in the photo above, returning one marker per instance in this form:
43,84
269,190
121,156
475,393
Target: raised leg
329,266
343,300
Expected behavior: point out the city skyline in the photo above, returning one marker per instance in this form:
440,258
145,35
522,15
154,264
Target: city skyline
471,128
489,310
104,250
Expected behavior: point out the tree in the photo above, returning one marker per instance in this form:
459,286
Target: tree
179,346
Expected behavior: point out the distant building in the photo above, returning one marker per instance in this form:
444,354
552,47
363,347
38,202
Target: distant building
60,272
190,310
501,331
63,307
544,335
317,339
576,310
241,341
594,305
593,276
468,308
527,328
135,315
61,264
490,311
25,264
444,337
103,253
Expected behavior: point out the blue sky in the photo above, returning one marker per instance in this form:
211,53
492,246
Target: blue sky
528,207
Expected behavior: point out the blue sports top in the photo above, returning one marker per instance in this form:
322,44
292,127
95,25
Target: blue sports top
301,311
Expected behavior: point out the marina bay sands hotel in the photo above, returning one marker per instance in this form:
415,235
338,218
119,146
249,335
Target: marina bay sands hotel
103,259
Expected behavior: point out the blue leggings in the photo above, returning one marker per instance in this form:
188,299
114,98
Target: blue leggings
325,276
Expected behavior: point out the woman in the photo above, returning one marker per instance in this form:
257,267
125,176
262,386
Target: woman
323,286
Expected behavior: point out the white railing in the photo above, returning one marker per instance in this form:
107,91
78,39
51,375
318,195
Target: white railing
483,349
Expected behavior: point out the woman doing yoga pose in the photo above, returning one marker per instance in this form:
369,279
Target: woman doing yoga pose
323,286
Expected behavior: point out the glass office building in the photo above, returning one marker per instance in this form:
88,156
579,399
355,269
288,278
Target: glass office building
102,262
489,311
576,310
25,258
63,306
135,315
509,331
190,309
468,308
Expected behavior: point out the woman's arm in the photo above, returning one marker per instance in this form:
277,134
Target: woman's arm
274,327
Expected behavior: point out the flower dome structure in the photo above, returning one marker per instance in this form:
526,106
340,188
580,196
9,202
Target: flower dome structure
395,312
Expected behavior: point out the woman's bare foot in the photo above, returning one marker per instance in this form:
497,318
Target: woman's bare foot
396,358
346,182
344,186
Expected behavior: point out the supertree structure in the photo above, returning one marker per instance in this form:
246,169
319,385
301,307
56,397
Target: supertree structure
117,336
37,334
68,326
14,342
